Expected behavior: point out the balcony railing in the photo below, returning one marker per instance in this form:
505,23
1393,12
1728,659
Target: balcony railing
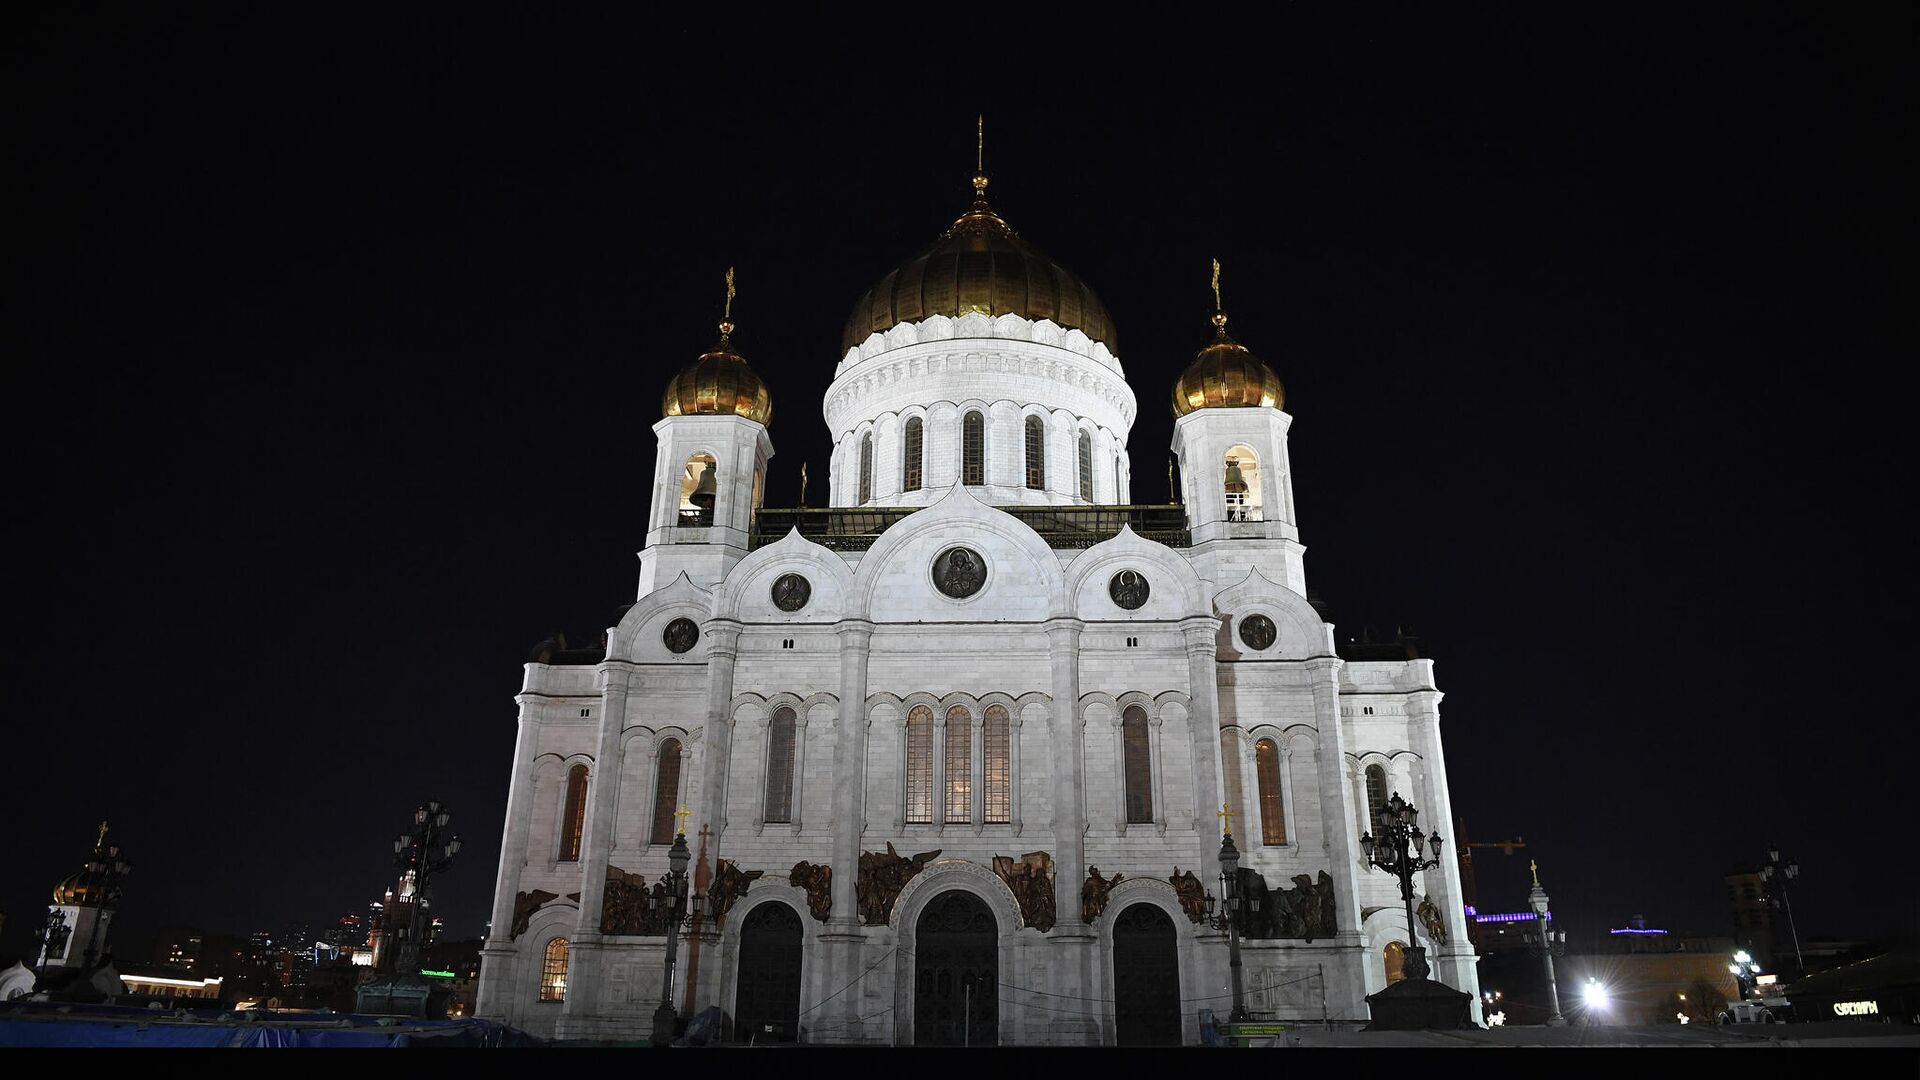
855,528
696,519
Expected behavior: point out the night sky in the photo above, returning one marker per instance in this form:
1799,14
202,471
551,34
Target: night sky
334,342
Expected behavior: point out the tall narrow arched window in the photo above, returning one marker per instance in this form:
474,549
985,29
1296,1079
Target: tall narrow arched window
1036,453
1138,767
573,819
553,971
959,764
666,792
1266,767
912,459
973,449
920,765
997,742
1086,466
866,468
1376,796
780,765
1117,496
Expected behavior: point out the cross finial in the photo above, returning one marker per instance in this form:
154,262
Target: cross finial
1219,309
1225,813
980,160
726,319
1535,867
102,838
683,815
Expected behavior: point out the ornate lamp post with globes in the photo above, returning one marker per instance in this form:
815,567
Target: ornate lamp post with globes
1398,851
1229,917
403,991
676,917
1774,869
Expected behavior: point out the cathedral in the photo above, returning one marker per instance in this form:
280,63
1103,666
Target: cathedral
951,758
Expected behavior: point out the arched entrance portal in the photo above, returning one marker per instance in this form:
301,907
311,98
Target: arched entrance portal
766,1007
1146,978
1394,956
956,973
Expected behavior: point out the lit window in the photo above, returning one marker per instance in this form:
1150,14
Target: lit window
553,973
959,764
574,818
999,767
920,765
1266,767
666,791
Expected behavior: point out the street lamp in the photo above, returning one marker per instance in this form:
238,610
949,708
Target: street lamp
1399,852
1545,941
414,856
1596,998
1745,970
1230,915
1784,872
677,916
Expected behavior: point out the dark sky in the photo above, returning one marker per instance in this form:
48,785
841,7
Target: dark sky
335,340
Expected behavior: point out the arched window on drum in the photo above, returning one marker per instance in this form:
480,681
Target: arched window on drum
911,456
780,735
973,449
1036,453
1086,467
866,468
1243,485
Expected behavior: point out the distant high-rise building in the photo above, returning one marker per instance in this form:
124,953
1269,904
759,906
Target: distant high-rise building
181,948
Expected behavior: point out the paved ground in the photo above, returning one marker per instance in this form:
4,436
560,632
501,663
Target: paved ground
1889,1036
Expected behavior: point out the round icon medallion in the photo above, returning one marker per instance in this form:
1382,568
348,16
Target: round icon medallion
1129,589
680,635
791,592
1257,631
959,572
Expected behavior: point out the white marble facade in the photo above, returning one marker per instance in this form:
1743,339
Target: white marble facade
1043,639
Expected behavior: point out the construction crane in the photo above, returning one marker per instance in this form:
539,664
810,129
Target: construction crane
1467,885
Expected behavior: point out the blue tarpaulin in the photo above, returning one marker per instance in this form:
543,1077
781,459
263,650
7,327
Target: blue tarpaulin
48,1024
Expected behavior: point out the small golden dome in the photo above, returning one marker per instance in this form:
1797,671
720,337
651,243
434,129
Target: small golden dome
1226,376
979,265
718,384
77,890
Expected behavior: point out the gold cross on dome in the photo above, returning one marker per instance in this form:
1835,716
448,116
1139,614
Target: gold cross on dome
683,815
1535,867
102,838
1225,813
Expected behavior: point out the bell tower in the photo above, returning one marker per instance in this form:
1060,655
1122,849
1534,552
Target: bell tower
1230,434
710,469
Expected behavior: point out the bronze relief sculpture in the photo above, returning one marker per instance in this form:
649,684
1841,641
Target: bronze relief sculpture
791,592
728,886
1129,589
624,908
959,572
1093,894
881,879
817,880
1030,879
1193,898
1304,911
680,635
524,905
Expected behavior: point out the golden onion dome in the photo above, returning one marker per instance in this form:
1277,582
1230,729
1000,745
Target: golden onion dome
979,265
1226,376
718,384
77,889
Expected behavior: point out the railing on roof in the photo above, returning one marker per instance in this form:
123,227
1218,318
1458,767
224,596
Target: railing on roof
855,528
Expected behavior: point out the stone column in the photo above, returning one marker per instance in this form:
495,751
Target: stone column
1209,787
498,967
1342,845
1074,943
1159,780
841,938
723,651
1455,962
1014,735
940,771
584,963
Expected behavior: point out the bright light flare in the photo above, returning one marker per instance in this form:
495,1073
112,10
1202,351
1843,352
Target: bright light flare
1596,994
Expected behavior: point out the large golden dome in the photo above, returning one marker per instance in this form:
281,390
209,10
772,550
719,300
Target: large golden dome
77,889
979,264
718,384
1226,376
